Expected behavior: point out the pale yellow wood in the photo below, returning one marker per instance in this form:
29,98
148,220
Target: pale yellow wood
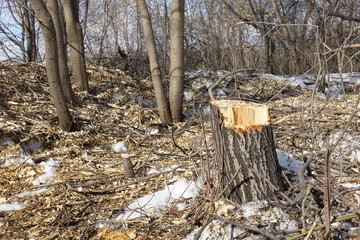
243,115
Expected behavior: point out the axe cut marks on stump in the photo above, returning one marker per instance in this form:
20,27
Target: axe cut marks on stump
245,154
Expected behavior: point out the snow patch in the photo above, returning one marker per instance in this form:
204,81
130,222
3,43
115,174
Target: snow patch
116,96
350,185
153,132
119,147
216,230
253,212
348,145
188,96
336,83
146,103
7,143
4,207
49,169
31,193
22,159
174,167
288,162
154,204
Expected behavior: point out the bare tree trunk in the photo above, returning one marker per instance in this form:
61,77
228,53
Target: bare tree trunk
126,29
52,66
288,41
245,151
53,7
30,32
76,43
163,106
268,67
176,86
86,15
104,31
165,36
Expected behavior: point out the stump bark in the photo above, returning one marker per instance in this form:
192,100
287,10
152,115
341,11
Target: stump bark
245,154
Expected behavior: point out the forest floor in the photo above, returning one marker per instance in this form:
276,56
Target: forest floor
71,185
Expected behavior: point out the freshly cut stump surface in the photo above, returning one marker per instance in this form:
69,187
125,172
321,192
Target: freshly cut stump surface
245,151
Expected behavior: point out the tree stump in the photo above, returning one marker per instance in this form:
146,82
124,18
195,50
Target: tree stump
245,152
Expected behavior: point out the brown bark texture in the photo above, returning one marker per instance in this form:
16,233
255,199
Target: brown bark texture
128,167
176,84
53,7
246,160
163,106
30,32
52,67
76,44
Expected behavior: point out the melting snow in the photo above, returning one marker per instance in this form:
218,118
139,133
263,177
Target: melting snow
119,147
7,143
216,230
49,168
116,96
348,145
350,185
252,211
335,82
31,193
174,167
288,162
153,132
10,207
154,204
23,158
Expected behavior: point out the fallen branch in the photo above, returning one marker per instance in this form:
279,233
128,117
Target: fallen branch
222,79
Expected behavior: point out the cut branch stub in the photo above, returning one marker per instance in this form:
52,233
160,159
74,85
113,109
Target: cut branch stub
245,151
128,167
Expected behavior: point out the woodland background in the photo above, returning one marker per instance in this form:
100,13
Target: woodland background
278,37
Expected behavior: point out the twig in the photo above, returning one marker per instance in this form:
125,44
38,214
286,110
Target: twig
222,79
311,229
307,192
329,150
323,225
173,139
341,48
52,236
244,226
344,199
327,194
198,234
